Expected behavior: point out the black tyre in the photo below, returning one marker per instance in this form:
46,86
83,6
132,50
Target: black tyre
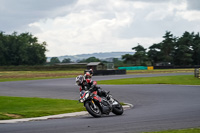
118,109
94,111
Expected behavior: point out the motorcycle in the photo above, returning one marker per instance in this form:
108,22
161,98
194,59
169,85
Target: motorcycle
97,106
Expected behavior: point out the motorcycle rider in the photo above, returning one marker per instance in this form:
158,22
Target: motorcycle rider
85,82
100,105
90,71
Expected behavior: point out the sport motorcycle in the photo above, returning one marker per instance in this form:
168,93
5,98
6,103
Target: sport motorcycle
97,106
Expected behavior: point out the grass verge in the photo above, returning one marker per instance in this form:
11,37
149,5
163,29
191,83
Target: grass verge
24,107
36,75
155,71
192,130
180,80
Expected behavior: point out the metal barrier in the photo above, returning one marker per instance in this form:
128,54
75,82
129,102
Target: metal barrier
133,68
137,68
108,72
196,73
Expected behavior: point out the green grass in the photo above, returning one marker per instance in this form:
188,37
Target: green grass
192,130
36,75
190,70
21,107
35,78
180,80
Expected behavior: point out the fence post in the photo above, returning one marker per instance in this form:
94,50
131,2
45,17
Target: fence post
196,72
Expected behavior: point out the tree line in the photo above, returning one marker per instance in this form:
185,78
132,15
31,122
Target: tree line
55,60
179,51
22,49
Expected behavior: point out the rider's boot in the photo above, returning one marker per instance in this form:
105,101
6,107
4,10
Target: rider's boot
109,98
107,95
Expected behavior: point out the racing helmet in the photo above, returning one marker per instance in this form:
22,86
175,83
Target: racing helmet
88,77
79,80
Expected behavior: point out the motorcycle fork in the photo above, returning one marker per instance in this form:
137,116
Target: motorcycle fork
94,104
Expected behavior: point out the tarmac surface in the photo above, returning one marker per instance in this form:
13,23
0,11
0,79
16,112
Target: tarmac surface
59,116
156,107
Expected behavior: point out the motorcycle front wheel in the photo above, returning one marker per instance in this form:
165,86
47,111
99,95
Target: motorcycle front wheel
92,109
117,109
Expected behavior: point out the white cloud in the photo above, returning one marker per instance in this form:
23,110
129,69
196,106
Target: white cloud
84,30
109,25
189,15
161,11
140,5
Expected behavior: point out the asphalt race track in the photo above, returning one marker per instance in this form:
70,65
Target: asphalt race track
156,107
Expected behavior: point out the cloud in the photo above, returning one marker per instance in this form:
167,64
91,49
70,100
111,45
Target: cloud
109,25
193,14
193,4
15,15
79,26
190,15
87,29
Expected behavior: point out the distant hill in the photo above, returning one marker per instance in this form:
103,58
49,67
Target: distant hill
102,56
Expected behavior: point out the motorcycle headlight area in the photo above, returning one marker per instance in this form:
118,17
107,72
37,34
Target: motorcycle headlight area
87,95
81,100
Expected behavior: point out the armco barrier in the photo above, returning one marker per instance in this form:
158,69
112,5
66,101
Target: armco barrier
150,68
109,72
134,68
176,67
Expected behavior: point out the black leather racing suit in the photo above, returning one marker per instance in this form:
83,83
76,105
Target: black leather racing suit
91,87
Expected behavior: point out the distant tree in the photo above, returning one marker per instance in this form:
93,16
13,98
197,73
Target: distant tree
54,60
127,58
183,50
117,62
22,49
90,59
66,60
3,50
140,57
163,51
154,53
196,49
167,47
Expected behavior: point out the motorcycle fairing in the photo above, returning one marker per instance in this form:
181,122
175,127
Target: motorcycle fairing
97,98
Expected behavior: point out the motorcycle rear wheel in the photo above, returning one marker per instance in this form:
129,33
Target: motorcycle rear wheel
95,112
118,109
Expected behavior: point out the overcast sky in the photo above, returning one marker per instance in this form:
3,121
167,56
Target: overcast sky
87,26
